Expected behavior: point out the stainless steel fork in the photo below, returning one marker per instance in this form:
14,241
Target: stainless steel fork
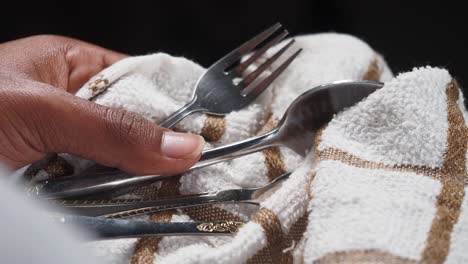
130,208
222,88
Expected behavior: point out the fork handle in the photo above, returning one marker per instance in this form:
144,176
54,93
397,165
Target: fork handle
177,116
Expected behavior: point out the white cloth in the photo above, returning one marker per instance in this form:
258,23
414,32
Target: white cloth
350,207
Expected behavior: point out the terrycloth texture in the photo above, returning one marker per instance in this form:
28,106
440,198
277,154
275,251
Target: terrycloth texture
385,184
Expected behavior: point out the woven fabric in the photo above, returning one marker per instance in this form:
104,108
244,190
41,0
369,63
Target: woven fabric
385,183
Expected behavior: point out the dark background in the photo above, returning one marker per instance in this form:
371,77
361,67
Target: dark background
407,33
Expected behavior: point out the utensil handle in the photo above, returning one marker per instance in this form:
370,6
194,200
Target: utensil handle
177,116
127,208
103,228
100,186
118,182
237,149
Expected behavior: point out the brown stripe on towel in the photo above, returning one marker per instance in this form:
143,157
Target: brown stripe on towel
146,247
262,256
214,128
363,256
453,181
276,241
350,159
373,72
54,165
209,213
296,232
148,191
275,165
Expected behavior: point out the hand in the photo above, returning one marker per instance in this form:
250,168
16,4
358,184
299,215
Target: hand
40,114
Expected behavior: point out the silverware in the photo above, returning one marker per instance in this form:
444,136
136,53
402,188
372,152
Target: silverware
217,91
130,208
296,130
102,228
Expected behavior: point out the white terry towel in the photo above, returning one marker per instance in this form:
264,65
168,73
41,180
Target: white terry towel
386,183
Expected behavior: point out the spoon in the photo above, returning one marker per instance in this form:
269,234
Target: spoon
296,131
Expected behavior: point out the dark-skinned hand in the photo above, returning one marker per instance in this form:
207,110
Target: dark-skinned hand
40,114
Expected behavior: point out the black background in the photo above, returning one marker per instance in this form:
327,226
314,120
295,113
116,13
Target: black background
407,33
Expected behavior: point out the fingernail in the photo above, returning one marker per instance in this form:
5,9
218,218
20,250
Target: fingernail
181,145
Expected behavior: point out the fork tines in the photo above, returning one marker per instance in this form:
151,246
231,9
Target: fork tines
259,45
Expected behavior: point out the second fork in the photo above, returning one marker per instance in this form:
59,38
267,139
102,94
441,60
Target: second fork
217,92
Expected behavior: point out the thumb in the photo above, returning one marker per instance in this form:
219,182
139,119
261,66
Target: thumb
118,138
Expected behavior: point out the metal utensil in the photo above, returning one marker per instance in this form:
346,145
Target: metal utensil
129,208
103,228
296,130
222,88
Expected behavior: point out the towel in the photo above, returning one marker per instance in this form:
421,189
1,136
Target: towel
385,182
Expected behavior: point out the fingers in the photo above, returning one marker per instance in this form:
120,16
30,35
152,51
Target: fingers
62,62
117,138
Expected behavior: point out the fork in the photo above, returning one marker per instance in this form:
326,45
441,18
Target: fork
130,208
219,91
296,131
